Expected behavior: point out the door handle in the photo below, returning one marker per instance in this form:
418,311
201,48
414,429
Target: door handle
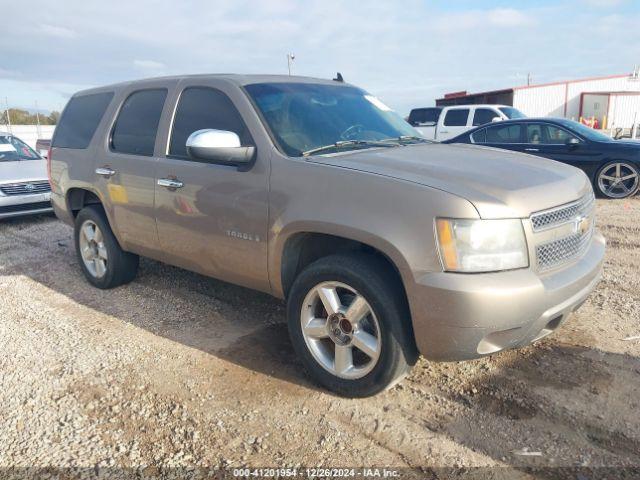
532,149
105,172
170,183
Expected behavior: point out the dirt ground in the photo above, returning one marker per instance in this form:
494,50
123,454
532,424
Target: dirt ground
180,371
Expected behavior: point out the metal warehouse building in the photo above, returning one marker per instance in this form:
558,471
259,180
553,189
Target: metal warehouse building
614,100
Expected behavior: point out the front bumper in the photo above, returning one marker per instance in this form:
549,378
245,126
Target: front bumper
466,316
18,205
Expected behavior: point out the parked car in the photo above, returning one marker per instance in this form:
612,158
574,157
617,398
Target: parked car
613,166
442,123
24,188
383,244
42,146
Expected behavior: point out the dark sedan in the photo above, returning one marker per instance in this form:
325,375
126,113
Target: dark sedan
612,165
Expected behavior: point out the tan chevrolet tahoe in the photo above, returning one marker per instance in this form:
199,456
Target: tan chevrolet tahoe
384,245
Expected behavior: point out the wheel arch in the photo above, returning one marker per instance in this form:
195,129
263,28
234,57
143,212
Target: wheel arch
79,197
300,247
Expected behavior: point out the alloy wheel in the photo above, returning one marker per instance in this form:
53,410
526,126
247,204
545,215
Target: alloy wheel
92,249
341,330
618,180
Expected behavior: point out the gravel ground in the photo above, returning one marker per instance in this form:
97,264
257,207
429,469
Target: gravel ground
180,371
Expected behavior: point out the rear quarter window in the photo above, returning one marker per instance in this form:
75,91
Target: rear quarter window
480,136
80,120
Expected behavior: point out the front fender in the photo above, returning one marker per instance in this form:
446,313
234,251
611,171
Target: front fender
393,216
349,233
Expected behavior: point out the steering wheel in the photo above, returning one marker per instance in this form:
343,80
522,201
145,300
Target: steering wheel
352,131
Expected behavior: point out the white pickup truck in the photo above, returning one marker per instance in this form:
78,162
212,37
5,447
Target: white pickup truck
443,123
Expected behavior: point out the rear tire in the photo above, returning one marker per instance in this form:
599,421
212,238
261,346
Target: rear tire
362,342
104,264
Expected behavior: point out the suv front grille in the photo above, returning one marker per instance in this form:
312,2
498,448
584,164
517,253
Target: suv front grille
559,251
25,188
564,233
564,214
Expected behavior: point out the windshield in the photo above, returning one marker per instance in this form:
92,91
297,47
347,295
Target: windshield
587,132
511,112
13,149
304,117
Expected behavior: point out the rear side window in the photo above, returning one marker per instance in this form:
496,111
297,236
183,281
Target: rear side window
80,120
204,107
137,124
534,133
456,118
483,115
504,134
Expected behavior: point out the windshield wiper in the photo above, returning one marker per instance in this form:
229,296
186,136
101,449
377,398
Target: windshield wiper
404,139
349,143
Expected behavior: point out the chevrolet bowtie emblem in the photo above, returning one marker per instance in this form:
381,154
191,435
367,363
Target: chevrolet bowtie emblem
582,225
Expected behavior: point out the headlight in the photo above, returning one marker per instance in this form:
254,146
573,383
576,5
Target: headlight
481,245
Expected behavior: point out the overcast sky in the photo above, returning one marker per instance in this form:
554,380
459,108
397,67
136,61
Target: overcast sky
406,52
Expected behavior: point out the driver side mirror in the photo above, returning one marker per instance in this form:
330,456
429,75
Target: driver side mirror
219,146
496,119
573,142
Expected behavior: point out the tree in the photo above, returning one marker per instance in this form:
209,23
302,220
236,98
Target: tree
23,117
54,117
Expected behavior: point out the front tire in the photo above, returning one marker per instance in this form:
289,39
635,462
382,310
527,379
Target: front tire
617,179
350,325
104,264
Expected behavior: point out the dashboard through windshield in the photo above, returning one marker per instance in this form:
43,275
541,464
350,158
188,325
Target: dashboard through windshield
13,149
305,117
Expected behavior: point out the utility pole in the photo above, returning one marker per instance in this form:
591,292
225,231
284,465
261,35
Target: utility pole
290,58
6,101
528,79
39,130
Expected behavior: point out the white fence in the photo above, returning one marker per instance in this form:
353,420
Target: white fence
29,133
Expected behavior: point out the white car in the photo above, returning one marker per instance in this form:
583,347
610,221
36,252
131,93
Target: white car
443,123
24,184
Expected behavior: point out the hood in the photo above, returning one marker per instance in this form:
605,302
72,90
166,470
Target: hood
23,171
499,183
